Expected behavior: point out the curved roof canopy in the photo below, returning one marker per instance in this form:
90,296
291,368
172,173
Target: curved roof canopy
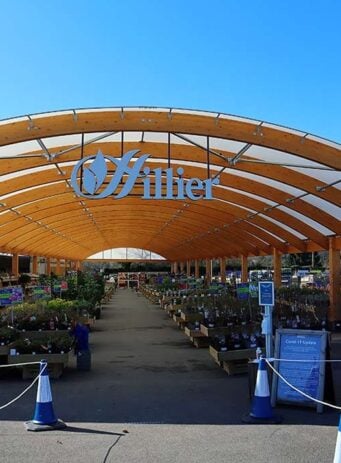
279,188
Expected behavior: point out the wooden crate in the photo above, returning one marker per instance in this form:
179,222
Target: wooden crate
214,331
193,333
191,317
55,364
200,341
179,321
233,361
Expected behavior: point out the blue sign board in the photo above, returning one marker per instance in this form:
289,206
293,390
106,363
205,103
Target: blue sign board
266,293
11,295
307,348
243,291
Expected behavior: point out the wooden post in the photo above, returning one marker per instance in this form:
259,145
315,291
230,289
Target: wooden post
222,269
35,265
208,271
244,275
48,266
15,264
58,272
182,267
334,312
188,268
277,267
175,267
196,268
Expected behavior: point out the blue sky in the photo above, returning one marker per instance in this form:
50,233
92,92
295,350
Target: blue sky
273,60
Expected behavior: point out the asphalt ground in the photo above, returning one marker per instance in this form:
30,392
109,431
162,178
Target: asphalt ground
151,397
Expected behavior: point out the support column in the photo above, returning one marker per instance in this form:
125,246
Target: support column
222,261
196,268
208,271
182,267
244,275
175,268
15,264
35,265
48,265
334,312
277,267
188,268
58,271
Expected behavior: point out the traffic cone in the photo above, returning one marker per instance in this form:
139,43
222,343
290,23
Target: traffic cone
261,410
44,418
337,455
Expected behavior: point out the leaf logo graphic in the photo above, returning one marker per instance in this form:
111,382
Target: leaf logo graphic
94,176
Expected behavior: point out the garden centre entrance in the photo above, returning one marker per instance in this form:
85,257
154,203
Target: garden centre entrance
77,182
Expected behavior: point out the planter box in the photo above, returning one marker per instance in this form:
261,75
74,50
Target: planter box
233,361
56,363
179,321
191,317
197,338
216,330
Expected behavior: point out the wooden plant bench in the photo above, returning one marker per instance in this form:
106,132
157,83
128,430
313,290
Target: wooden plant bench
197,338
191,317
215,330
233,361
55,364
179,321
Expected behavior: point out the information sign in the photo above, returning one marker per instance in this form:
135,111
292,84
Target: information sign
11,295
243,291
307,376
41,292
266,293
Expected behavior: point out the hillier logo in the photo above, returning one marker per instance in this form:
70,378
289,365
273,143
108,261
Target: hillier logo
174,186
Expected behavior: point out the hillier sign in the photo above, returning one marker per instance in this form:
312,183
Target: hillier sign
93,177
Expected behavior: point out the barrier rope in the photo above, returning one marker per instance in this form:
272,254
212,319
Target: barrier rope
308,361
29,387
298,390
18,364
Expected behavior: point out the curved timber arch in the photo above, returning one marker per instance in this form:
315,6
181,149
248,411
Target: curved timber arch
279,188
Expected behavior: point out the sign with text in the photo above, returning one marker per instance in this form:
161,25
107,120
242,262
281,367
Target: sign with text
307,373
41,292
99,176
266,293
243,291
11,295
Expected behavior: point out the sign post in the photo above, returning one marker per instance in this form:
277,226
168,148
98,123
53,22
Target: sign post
267,299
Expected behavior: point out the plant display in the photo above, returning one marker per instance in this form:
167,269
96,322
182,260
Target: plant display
44,345
7,335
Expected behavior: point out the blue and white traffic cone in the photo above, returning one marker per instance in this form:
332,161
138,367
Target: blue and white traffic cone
261,410
337,454
44,418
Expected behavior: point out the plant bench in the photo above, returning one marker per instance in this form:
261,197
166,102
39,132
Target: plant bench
55,364
233,361
215,330
179,321
197,338
191,317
